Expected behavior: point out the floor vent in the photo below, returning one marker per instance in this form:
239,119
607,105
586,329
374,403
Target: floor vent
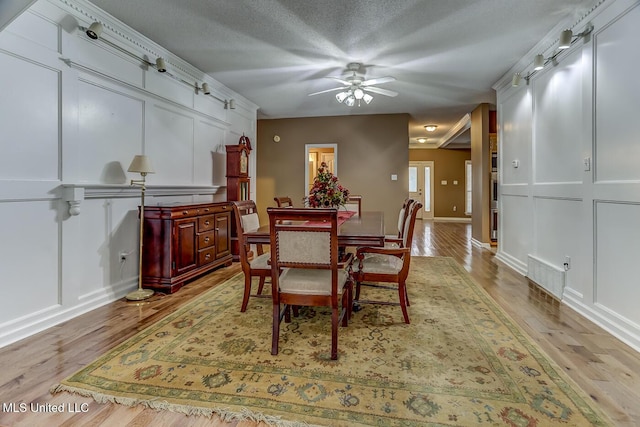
547,276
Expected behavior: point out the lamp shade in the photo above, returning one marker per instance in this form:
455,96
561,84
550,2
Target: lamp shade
141,164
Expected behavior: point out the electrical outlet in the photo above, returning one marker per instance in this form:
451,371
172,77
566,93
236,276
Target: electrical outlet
123,256
567,263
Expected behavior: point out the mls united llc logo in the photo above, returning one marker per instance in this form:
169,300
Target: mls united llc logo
21,407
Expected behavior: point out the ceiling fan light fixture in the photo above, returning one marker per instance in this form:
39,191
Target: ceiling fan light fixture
367,98
431,128
350,101
358,93
340,97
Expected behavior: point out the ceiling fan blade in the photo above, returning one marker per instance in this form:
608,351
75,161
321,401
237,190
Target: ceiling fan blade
338,79
384,92
325,91
378,80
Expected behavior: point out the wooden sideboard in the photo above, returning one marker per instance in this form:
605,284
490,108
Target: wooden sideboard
182,241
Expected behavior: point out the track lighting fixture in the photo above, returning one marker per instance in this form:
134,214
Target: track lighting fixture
515,81
538,62
431,128
565,39
160,65
95,30
230,104
205,89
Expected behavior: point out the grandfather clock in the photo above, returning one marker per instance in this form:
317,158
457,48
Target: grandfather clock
238,181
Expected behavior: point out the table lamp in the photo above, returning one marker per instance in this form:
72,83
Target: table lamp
141,165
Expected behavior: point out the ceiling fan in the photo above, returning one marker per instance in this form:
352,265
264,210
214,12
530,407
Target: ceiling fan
355,88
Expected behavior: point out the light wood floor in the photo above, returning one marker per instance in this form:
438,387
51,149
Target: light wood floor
603,366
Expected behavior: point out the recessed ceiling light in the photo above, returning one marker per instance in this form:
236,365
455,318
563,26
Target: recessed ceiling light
422,140
431,128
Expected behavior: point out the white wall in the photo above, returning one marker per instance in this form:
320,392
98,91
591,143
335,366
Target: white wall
584,108
73,113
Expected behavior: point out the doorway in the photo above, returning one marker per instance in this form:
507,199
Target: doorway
421,187
314,155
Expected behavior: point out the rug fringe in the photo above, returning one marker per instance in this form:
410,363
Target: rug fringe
223,413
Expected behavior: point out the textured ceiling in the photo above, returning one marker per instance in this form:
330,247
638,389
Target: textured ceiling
445,54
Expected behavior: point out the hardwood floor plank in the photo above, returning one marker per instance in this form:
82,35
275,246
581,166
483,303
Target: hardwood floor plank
600,364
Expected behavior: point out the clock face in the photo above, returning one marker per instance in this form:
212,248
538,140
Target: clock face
243,162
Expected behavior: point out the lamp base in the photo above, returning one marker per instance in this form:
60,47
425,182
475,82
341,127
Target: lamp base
139,294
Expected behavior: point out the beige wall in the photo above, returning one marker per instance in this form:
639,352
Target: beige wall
370,149
447,165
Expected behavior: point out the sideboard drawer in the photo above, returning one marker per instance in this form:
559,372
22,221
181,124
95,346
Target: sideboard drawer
206,239
207,255
206,223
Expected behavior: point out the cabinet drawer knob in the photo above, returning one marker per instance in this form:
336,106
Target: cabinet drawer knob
206,210
206,239
185,212
207,256
206,222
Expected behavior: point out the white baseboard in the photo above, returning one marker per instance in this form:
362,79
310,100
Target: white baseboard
479,244
451,219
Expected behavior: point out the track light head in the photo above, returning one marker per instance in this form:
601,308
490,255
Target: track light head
160,65
205,88
538,62
565,39
94,31
515,81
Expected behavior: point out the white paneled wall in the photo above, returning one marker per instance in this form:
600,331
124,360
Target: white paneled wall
73,113
574,129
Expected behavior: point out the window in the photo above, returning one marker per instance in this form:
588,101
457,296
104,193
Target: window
468,187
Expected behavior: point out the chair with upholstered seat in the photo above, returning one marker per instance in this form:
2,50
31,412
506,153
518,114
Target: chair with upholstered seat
283,202
395,241
253,261
354,203
377,266
305,268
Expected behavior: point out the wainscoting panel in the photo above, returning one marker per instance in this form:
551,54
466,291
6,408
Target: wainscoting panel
557,155
37,29
617,147
517,223
110,133
29,261
516,127
207,139
617,255
557,234
169,141
30,111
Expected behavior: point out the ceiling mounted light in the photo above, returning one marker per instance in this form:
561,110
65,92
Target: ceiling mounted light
422,140
350,101
538,62
367,98
565,39
160,65
341,97
358,93
431,128
94,30
205,88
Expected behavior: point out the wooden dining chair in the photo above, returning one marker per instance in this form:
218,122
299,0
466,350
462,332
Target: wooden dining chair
305,268
388,268
395,240
283,202
253,263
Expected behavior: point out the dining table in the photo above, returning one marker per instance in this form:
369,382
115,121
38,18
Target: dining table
366,229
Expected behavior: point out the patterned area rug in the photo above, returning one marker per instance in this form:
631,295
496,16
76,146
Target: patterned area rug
461,362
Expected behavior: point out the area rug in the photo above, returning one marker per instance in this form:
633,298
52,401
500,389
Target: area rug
461,362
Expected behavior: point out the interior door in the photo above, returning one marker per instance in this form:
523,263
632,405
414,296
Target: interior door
421,186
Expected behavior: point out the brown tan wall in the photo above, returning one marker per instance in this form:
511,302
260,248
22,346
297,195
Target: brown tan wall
370,149
448,165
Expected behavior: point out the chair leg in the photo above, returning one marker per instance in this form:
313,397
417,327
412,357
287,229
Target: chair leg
261,285
402,295
247,292
334,332
357,298
275,335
